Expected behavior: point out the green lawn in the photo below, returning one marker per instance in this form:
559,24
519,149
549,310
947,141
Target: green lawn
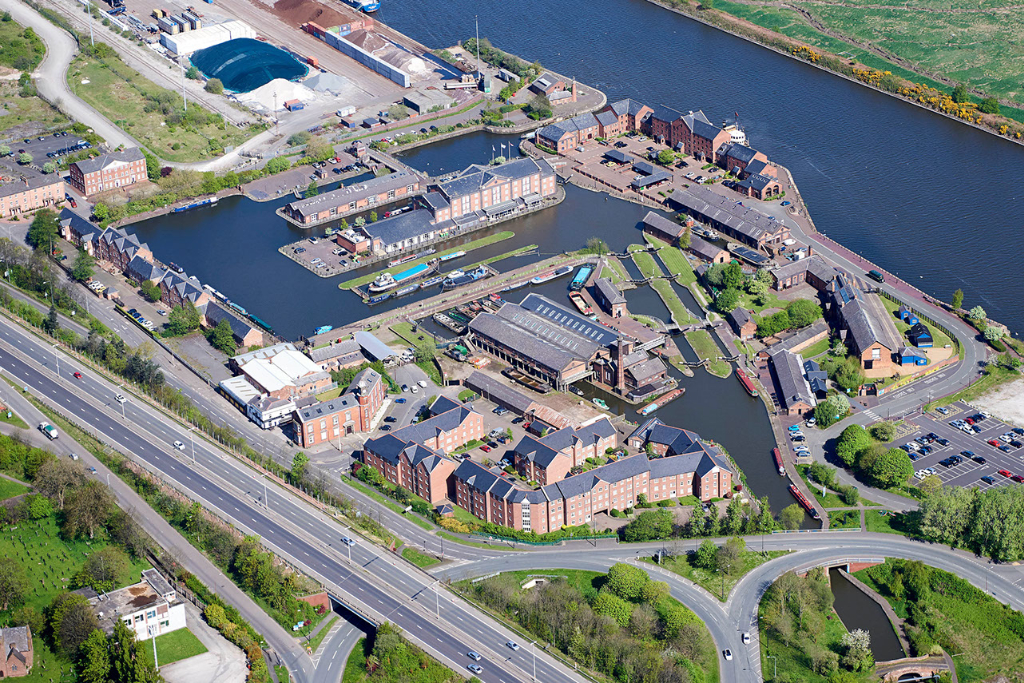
469,246
10,489
675,261
614,270
680,315
282,674
173,647
844,519
20,48
939,338
467,395
712,581
387,502
817,348
881,521
794,661
50,561
328,395
419,559
706,348
122,95
645,261
314,642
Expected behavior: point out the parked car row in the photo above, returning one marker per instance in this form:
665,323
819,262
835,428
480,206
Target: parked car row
142,321
70,149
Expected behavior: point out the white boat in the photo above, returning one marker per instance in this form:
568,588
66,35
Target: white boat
541,279
383,283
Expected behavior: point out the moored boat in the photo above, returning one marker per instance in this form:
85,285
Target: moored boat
600,403
323,329
577,299
745,381
581,278
778,462
408,290
559,272
661,401
379,299
383,283
449,257
804,503
430,282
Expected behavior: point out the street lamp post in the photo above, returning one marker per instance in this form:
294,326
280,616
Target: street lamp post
152,635
192,441
534,644
775,662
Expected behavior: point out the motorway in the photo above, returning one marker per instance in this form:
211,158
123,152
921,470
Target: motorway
366,578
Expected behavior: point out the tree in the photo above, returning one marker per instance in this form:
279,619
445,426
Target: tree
215,86
831,410
183,319
850,443
313,189
857,650
277,165
106,566
397,112
883,431
610,605
802,312
222,338
86,509
51,323
101,211
772,325
94,659
960,93
71,621
993,333
732,277
151,291
654,592
890,468
666,157
44,229
539,107
727,300
756,287
373,217
989,105
49,167
728,557
298,471
977,314
24,158
193,73
299,139
318,149
791,517
627,581
930,485
849,494
649,525
38,507
849,375
4,150
596,246
684,239
837,348
84,264
958,299
707,555
733,516
13,583
127,662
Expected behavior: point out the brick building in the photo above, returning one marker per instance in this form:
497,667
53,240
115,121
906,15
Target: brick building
746,224
352,412
707,251
741,322
351,198
281,371
864,325
630,114
548,459
108,171
610,298
793,392
118,247
16,652
489,190
20,195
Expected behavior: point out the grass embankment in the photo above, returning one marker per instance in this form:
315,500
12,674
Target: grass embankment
712,581
705,347
13,419
647,625
844,519
137,104
675,261
387,502
419,559
469,246
397,661
939,338
18,110
649,268
314,642
500,257
10,489
831,499
174,647
614,270
985,636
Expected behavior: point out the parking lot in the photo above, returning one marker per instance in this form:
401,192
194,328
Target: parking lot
930,452
42,147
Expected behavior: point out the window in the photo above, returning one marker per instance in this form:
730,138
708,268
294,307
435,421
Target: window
151,614
138,618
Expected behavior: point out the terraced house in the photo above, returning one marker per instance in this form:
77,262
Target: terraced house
550,458
20,195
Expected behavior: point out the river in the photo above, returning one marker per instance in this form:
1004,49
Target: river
925,197
858,611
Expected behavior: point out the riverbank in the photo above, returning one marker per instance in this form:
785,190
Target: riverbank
853,71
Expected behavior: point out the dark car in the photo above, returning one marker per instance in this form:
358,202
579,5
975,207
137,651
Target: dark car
967,454
1018,430
389,418
944,442
1015,443
132,311
1005,449
385,428
988,480
399,400
978,459
518,420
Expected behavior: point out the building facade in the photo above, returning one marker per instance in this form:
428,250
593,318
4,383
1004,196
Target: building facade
108,171
149,608
352,412
18,196
16,652
487,188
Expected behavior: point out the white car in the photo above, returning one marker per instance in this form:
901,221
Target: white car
745,638
423,385
120,399
512,644
179,445
415,389
727,654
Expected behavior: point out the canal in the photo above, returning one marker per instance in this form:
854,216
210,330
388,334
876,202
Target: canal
858,611
925,197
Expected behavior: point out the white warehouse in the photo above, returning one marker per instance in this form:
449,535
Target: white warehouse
200,39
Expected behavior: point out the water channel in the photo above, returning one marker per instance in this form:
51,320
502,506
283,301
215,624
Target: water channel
857,610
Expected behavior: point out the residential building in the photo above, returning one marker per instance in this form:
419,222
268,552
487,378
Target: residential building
793,391
31,192
741,322
352,412
404,231
743,161
352,198
16,652
282,372
78,231
178,288
108,171
149,608
557,345
245,335
494,191
548,459
759,186
118,247
707,251
565,136
141,269
337,355
630,114
813,270
699,137
748,225
610,298
816,378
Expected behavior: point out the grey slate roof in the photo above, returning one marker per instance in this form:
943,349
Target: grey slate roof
327,408
143,269
663,113
617,155
570,322
403,226
701,127
804,334
99,163
336,350
540,350
740,153
756,166
87,230
443,404
15,636
757,181
738,317
343,195
372,346
789,373
645,167
627,106
906,351
476,177
447,421
813,263
645,370
704,249
215,313
498,391
607,118
609,291
868,322
653,179
744,220
436,201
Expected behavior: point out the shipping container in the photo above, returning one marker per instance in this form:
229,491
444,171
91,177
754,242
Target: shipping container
312,61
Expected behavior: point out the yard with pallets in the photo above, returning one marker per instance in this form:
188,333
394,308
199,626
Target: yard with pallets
706,348
137,105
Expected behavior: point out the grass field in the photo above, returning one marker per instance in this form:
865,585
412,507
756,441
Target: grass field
21,110
675,261
173,647
10,489
645,262
712,581
675,305
706,348
419,559
844,519
614,271
314,642
120,94
817,348
20,48
469,246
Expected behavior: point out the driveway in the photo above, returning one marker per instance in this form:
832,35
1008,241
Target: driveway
222,661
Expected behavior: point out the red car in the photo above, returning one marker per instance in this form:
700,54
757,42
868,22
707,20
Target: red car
1006,473
969,420
1017,478
485,448
78,375
993,442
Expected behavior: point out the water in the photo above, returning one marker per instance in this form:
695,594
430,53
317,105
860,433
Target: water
859,611
923,196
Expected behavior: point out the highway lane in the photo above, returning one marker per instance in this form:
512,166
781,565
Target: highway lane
375,581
